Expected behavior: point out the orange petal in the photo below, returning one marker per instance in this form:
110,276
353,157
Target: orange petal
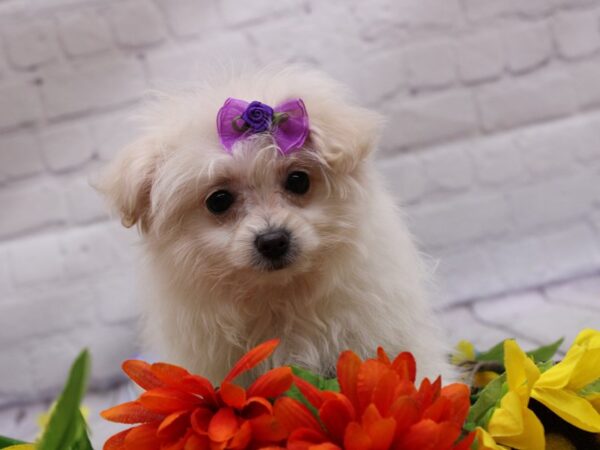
465,443
257,406
142,437
200,419
195,384
406,366
459,394
383,393
303,438
253,358
267,429
169,374
383,357
117,441
439,411
325,446
381,431
371,371
428,392
166,400
197,442
314,396
347,371
293,414
405,411
223,425
429,435
272,384
233,395
141,373
356,438
174,426
130,412
242,438
336,414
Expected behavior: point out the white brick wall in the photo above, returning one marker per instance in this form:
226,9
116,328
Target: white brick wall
493,145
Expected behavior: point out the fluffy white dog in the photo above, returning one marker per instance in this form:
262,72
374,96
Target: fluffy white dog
249,243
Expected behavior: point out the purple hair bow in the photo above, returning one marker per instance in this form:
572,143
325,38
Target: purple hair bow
287,123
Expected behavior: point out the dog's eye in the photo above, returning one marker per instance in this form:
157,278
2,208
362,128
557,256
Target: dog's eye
297,182
219,202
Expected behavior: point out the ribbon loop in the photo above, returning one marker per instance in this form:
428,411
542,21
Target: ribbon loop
287,123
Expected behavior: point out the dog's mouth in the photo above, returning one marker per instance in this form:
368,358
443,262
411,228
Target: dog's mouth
274,264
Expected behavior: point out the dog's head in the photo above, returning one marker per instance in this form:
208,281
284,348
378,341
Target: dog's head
252,214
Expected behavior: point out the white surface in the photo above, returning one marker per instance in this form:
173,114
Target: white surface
493,145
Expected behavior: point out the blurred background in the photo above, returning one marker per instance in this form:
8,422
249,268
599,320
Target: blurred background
492,146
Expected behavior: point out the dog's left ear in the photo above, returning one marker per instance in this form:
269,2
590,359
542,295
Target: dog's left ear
345,136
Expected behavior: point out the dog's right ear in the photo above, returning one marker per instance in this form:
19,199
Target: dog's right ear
127,182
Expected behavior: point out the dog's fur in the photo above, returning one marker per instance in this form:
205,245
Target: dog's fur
357,279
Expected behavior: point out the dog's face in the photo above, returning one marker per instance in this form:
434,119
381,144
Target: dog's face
252,216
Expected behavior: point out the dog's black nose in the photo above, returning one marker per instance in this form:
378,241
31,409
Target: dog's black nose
273,244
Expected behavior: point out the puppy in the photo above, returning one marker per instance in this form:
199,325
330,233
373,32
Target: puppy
247,240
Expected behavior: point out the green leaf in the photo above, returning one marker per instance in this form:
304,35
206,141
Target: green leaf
496,353
7,442
546,352
487,400
318,381
64,427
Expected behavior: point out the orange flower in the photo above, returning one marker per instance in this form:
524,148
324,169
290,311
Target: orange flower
379,408
181,411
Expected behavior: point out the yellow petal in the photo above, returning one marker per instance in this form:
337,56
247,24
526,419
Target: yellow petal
559,376
21,447
508,419
465,351
482,379
570,407
521,371
532,437
588,338
486,441
587,370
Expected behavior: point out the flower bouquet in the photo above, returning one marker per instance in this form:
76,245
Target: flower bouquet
509,400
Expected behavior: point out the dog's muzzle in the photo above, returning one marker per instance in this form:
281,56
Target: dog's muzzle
274,247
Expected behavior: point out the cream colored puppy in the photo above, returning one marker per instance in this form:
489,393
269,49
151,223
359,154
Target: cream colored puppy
248,243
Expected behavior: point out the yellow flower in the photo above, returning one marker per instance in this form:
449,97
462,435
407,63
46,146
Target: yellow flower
487,442
513,424
465,351
559,388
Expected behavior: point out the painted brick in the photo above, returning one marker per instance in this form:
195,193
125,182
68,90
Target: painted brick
30,208
525,101
234,15
462,219
6,284
56,310
431,64
585,78
465,274
84,204
19,156
480,57
520,262
35,260
577,33
572,251
584,292
89,250
425,13
104,85
383,74
115,298
137,23
111,133
548,150
83,32
15,361
551,202
497,160
190,18
19,104
588,132
66,147
449,168
30,43
405,176
527,46
431,119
